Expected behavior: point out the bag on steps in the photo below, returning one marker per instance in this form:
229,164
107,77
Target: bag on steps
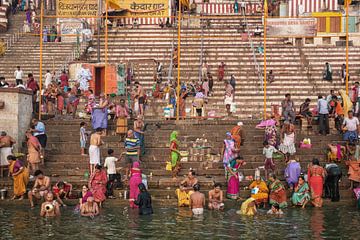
168,166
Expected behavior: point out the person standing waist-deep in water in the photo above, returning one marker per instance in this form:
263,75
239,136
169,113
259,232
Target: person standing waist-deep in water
144,201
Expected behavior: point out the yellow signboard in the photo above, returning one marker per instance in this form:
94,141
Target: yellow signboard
146,8
76,8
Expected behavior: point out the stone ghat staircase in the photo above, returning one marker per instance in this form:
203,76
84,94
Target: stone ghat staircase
25,52
296,72
64,162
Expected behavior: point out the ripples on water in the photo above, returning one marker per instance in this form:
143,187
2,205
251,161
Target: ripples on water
331,222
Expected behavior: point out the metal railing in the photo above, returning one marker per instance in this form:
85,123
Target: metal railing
13,38
257,65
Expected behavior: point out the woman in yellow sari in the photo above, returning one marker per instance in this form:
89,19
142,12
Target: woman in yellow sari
248,207
347,104
259,191
20,174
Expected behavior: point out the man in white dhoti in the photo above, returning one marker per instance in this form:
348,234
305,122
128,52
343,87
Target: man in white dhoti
6,144
94,149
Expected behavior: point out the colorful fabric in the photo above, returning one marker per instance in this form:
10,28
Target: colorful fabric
86,196
33,150
183,197
300,197
247,209
131,143
316,182
262,194
236,135
99,118
346,102
270,135
97,184
277,194
141,139
292,173
354,170
233,183
229,151
20,180
134,182
121,125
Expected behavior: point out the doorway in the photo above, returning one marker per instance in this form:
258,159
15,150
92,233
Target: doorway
99,80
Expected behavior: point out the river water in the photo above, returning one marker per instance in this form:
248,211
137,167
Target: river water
334,221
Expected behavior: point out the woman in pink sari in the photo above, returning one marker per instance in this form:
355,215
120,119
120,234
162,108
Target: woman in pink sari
316,176
233,170
97,184
135,180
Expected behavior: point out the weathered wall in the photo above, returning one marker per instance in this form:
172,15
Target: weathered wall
16,116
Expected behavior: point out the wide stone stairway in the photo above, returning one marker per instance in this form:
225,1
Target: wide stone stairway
297,70
63,160
25,51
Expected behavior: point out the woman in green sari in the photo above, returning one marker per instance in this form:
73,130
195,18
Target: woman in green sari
174,154
301,195
277,192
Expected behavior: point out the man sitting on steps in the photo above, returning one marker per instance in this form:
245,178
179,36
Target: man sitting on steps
288,109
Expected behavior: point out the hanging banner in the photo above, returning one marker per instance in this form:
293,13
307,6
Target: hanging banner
291,27
143,8
76,8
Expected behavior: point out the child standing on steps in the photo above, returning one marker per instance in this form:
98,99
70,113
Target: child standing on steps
83,138
110,165
268,151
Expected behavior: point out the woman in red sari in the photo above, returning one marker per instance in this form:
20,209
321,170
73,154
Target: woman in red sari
316,176
134,182
97,184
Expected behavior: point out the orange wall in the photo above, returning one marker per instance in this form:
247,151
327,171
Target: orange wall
111,73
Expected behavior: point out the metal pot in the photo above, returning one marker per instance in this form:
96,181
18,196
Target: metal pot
3,193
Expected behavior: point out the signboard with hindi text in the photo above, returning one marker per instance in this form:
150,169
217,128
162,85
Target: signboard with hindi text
76,8
291,27
144,8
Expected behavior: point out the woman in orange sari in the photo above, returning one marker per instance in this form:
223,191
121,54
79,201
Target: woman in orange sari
20,174
97,184
316,176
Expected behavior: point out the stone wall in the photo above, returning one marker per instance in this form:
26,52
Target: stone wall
16,115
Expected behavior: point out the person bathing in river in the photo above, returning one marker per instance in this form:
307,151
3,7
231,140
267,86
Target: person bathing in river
90,208
50,208
184,192
143,201
197,201
62,190
216,198
41,187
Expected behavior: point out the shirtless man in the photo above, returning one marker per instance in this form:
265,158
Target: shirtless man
186,186
50,208
188,183
94,149
41,187
90,208
6,143
140,95
197,201
216,197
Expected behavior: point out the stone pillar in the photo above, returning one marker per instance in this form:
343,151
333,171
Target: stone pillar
16,115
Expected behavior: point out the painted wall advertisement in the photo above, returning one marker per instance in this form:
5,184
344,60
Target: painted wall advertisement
78,8
291,27
146,8
69,28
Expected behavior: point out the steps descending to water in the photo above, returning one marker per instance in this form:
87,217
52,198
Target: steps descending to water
64,162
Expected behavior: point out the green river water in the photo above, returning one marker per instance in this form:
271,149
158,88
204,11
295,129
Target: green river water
334,221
